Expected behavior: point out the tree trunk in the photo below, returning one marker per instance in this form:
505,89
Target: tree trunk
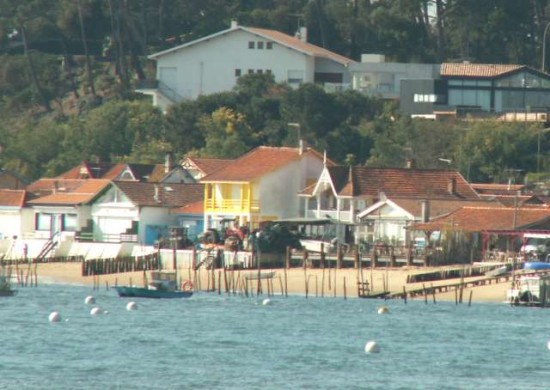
86,53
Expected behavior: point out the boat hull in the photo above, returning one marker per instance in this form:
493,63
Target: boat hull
142,292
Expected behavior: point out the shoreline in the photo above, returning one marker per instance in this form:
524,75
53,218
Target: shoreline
316,282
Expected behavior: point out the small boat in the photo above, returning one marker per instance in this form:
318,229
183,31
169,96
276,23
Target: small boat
530,290
163,284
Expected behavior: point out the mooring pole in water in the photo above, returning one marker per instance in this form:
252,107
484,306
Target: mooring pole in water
470,300
433,293
345,292
405,294
286,284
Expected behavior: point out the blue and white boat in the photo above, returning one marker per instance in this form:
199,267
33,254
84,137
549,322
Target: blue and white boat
163,284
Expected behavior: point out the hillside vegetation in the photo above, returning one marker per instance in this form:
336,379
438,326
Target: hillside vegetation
68,68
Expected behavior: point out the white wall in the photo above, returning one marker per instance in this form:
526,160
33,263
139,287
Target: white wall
10,223
209,66
154,216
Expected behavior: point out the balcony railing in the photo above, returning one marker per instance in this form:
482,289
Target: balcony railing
232,205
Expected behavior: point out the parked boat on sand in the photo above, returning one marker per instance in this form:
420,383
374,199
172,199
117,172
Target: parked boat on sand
530,290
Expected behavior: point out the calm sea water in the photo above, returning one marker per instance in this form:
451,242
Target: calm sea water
233,342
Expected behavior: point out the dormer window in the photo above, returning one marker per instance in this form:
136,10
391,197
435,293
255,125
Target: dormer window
260,45
269,45
251,44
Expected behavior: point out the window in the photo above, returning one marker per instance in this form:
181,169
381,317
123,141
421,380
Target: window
260,71
70,222
268,71
260,45
237,72
250,71
251,44
425,98
43,221
295,76
269,45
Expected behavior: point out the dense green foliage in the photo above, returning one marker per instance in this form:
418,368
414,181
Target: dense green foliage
69,66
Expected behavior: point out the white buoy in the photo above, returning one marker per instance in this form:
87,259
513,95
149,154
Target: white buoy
96,311
89,300
548,345
131,306
266,302
372,347
383,310
54,316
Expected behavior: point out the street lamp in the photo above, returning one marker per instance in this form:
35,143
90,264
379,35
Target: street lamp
544,46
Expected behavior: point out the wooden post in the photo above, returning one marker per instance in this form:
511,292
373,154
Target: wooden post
392,257
409,256
305,282
470,299
334,283
287,258
322,261
286,284
304,259
219,283
356,259
323,284
225,280
425,294
345,292
339,256
433,293
281,284
405,294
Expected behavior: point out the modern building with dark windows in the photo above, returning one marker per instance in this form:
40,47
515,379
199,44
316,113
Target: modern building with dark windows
507,92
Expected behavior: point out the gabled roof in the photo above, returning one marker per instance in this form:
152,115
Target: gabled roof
477,219
258,162
479,70
273,35
161,195
84,193
399,182
12,198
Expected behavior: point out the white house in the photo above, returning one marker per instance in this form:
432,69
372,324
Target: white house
15,219
214,63
140,210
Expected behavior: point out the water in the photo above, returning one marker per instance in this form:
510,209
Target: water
220,342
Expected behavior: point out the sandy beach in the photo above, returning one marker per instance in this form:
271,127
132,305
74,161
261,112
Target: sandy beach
327,283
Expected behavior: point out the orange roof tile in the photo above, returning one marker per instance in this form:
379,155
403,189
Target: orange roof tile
46,186
494,189
256,163
477,70
400,182
476,219
191,208
12,198
82,194
439,207
209,165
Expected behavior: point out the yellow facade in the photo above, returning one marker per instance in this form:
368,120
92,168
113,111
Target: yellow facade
230,198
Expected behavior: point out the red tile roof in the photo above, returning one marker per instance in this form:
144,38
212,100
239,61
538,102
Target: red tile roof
400,182
477,70
439,207
476,219
12,198
47,186
167,195
209,165
86,170
84,193
256,163
191,208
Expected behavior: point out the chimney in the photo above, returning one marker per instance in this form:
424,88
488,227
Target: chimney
168,162
234,24
301,34
425,210
409,164
451,186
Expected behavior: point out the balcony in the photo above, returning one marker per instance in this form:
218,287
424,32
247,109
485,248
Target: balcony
232,206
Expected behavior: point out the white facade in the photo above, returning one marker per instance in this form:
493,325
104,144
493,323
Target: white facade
214,63
15,221
385,222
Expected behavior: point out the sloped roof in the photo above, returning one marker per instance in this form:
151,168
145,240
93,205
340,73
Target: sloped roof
477,70
439,207
399,182
168,195
209,165
47,186
276,36
191,208
12,198
515,200
497,189
86,170
476,219
258,162
298,44
81,194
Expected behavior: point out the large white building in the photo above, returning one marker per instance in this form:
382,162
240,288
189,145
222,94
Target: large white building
214,63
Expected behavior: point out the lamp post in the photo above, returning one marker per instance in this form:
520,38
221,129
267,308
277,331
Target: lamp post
544,47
